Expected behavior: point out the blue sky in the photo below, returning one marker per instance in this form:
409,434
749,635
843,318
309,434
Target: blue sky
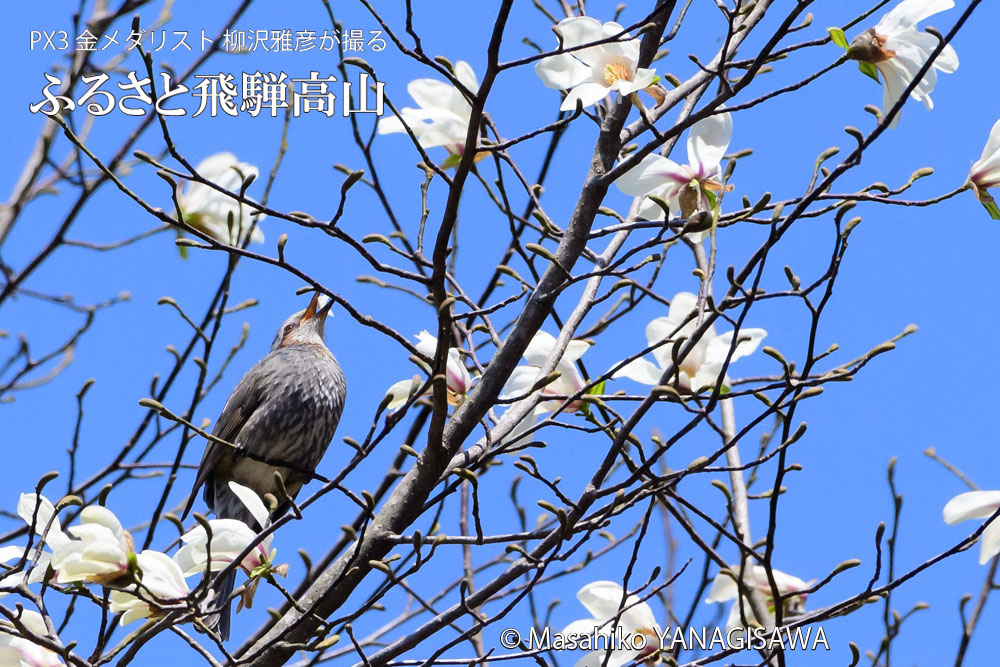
934,267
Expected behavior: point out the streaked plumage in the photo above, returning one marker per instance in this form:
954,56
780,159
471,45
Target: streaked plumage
283,415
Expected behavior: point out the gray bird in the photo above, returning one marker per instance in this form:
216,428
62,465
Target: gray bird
282,415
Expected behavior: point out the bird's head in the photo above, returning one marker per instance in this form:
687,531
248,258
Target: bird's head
304,327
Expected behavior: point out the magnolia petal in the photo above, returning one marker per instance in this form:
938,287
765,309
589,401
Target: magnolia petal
587,93
561,71
643,79
466,76
660,329
971,505
586,626
521,380
539,348
652,172
723,588
579,30
650,210
31,506
161,575
787,583
252,501
10,553
718,347
989,542
601,658
625,47
102,516
893,88
390,125
992,149
985,172
908,13
708,141
426,344
947,60
525,423
401,393
604,599
431,93
640,370
575,349
223,170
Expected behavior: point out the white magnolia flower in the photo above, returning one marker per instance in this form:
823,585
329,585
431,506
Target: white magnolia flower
524,377
899,50
207,210
102,552
985,172
456,375
161,585
702,366
724,589
443,116
684,187
32,507
603,599
592,73
230,538
977,505
18,651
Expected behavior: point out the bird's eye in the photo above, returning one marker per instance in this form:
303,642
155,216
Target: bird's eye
288,329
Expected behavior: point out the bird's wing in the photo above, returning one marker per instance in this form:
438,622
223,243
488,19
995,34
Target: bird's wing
242,403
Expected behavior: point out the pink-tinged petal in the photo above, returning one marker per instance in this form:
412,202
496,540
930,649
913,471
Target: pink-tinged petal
587,93
971,505
708,141
985,172
562,71
907,13
652,172
989,542
458,378
640,370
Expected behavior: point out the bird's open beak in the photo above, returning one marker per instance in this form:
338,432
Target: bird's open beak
311,309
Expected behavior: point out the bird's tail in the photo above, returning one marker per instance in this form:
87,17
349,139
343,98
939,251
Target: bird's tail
220,620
